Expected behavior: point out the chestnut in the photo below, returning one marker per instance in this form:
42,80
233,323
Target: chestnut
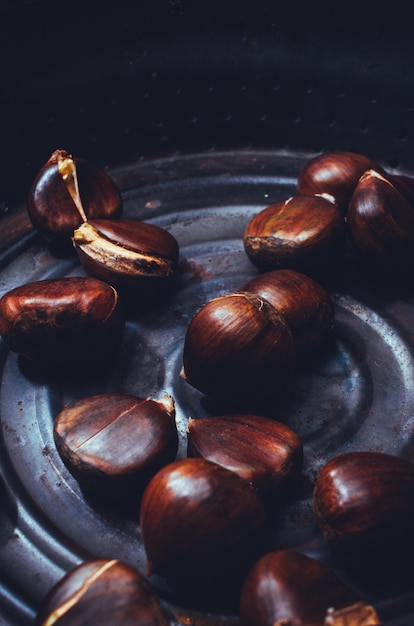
263,451
291,588
202,525
381,223
305,233
131,255
304,303
71,321
105,592
238,350
113,443
364,506
336,174
66,192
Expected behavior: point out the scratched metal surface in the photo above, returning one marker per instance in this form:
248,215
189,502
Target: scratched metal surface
358,396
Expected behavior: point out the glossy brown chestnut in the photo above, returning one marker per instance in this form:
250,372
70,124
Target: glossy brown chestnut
305,233
336,174
288,588
261,450
66,192
105,592
364,505
71,321
114,443
381,223
304,303
201,524
238,349
129,254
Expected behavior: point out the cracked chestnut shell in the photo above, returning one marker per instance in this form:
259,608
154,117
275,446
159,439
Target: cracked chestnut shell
72,321
202,524
133,256
238,349
114,443
304,303
305,233
381,222
105,592
364,506
286,587
336,174
66,192
263,451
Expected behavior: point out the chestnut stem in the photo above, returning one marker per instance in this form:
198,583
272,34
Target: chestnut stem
67,170
359,614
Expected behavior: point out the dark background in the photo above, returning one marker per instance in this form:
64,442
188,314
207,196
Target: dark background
123,80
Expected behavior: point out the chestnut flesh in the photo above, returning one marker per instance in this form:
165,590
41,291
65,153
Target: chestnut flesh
72,321
336,174
133,256
114,443
286,587
306,233
105,592
203,527
238,350
304,303
261,450
66,192
364,505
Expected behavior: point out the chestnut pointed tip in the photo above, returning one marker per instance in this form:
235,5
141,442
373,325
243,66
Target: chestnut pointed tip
168,403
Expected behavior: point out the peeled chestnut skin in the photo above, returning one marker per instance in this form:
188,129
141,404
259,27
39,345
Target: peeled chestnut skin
72,321
51,208
114,443
334,173
306,233
381,223
238,349
288,587
203,527
304,303
364,506
105,592
135,257
261,450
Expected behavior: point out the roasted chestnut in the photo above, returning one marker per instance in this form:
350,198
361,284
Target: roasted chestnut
286,587
73,321
105,592
336,174
306,233
239,350
261,450
381,223
304,303
131,255
364,505
114,443
66,192
202,525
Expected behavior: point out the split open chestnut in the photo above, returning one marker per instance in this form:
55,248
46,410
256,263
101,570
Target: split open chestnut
66,192
239,350
114,443
72,321
364,505
288,588
104,592
336,174
203,527
261,450
305,233
133,256
304,303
